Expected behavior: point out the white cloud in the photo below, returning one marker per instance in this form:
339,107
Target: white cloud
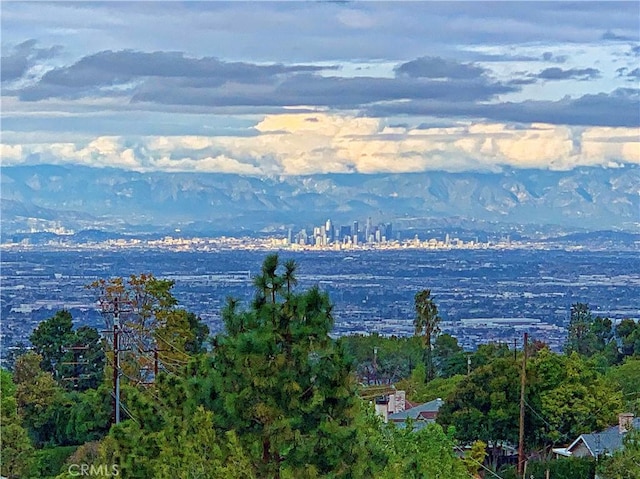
318,142
10,153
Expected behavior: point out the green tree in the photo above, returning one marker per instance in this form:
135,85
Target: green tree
86,348
16,451
485,353
572,397
87,416
199,334
382,360
474,458
289,276
579,335
51,339
269,283
587,335
485,404
151,319
75,358
628,333
602,330
140,300
448,357
191,450
625,463
37,397
277,378
426,453
626,377
426,324
14,353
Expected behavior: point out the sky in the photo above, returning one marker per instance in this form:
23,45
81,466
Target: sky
297,88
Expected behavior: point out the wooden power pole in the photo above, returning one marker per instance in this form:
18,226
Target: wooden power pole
523,381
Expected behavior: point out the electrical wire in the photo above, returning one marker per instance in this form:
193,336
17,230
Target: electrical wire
479,463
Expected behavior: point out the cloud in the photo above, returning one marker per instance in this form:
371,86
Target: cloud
22,58
555,73
632,75
435,67
427,85
551,57
609,35
10,152
618,108
103,71
173,79
317,143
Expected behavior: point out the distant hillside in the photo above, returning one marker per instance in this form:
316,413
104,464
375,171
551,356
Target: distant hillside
118,200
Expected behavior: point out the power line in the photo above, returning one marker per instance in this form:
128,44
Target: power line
479,463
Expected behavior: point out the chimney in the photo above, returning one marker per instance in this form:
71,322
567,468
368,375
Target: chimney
625,422
382,407
401,401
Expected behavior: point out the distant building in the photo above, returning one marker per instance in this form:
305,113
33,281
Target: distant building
345,233
600,443
328,228
390,404
422,414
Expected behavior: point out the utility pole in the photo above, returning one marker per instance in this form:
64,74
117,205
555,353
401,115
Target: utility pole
375,365
77,363
116,363
111,308
523,380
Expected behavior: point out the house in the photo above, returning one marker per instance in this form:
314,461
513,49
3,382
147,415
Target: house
390,404
422,414
601,443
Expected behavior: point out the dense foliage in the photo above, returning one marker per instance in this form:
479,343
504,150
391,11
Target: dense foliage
273,395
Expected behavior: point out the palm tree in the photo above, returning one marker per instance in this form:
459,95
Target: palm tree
426,323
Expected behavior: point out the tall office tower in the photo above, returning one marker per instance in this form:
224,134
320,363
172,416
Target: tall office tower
328,228
345,233
388,232
367,230
355,230
447,239
289,236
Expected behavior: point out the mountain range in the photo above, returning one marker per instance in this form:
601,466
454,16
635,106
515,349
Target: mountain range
78,197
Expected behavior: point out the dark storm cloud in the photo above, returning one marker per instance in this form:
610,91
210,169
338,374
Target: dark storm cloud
23,57
305,89
618,108
555,73
436,67
110,68
173,79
